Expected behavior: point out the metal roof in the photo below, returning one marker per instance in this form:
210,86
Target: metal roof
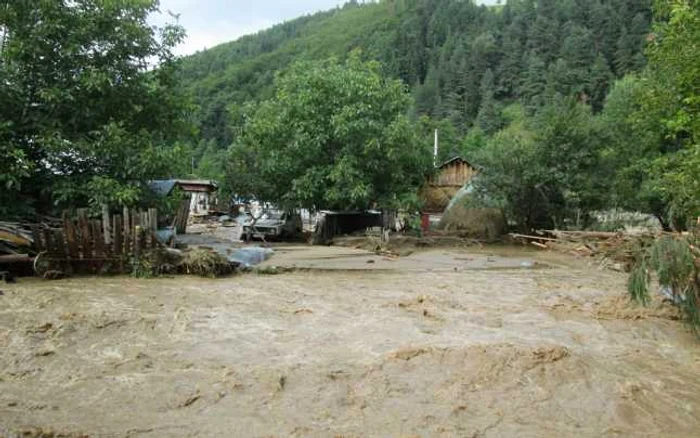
164,187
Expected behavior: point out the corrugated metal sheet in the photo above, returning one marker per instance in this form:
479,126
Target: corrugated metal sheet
162,187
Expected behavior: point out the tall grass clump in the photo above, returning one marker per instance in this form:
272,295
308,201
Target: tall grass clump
675,262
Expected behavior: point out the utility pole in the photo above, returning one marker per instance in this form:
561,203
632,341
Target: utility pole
435,152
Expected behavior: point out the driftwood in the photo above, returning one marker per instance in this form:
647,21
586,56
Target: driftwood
567,235
530,237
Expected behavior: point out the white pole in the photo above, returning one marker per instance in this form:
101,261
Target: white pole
435,152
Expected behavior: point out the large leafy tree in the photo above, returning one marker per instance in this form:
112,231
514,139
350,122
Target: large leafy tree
654,125
544,169
88,101
334,136
675,95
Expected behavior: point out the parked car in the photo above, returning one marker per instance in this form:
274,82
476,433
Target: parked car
273,224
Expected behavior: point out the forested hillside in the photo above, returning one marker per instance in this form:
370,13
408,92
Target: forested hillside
463,63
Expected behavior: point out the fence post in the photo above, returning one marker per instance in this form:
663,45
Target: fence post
106,226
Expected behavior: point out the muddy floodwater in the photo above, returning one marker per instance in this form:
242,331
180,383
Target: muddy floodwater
436,345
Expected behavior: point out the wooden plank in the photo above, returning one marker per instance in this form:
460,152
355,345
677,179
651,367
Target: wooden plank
126,231
85,235
135,218
39,244
59,242
48,241
117,241
70,234
106,225
137,240
152,227
99,239
183,211
153,219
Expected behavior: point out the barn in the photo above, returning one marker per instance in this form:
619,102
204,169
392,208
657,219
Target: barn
448,179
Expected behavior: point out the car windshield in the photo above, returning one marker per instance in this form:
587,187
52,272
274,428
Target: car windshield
273,215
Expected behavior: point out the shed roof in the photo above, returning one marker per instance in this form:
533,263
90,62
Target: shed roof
164,187
453,160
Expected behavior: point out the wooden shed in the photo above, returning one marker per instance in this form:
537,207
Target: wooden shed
449,177
200,192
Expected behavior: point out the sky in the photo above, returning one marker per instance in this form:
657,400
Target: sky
212,22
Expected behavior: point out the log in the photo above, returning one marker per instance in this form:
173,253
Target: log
529,237
583,234
15,258
539,245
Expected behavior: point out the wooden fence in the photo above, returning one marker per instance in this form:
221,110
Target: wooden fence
114,237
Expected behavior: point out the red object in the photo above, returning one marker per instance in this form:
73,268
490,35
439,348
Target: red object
425,222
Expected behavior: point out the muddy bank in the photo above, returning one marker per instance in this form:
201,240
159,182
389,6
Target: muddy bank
516,352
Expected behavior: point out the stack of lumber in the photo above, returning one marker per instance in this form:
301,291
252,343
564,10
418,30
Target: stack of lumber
14,237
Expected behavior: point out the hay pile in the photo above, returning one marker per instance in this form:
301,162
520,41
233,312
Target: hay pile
478,223
200,261
205,263
436,199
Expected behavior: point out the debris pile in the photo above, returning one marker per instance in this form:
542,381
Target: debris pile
615,250
15,238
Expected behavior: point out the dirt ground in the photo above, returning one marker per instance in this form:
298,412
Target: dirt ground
415,350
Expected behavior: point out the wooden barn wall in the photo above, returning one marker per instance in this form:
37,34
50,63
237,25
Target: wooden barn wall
454,174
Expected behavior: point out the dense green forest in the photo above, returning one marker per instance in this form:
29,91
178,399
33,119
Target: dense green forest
550,97
567,107
462,62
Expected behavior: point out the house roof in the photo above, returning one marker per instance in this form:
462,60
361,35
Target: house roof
453,160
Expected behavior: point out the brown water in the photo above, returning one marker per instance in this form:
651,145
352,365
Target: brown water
405,353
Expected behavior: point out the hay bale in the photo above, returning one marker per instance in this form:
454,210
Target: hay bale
478,223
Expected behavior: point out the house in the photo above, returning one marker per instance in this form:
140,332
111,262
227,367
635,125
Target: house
200,192
448,179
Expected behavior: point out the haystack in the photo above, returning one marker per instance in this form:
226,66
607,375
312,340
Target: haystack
466,216
435,198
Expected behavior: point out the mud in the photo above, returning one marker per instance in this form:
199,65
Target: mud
414,353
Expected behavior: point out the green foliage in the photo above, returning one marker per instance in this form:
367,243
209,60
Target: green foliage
675,83
672,260
84,118
654,127
334,136
675,261
543,169
638,283
441,49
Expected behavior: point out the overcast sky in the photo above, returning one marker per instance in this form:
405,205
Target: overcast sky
212,22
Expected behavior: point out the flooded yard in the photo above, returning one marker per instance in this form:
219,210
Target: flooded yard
445,343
